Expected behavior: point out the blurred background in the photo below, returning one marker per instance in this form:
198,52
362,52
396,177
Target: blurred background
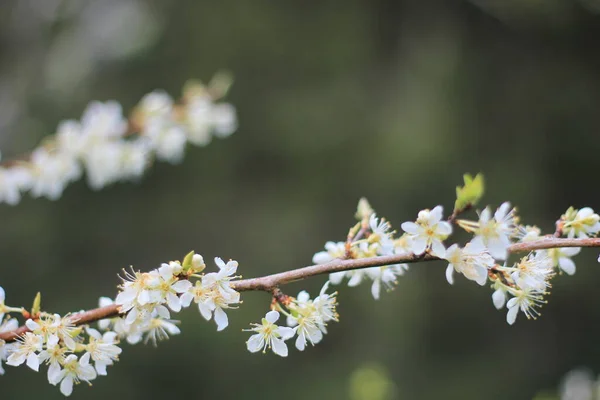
389,99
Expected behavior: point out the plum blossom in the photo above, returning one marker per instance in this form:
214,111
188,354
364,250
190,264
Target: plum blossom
473,261
269,335
428,232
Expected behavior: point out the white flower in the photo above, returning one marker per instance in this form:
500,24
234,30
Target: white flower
224,119
385,276
198,113
102,349
473,261
525,300
428,232
139,289
270,335
3,308
118,324
62,327
103,163
54,355
135,157
170,286
103,120
533,271
5,348
581,223
52,172
306,321
203,296
527,233
332,251
222,294
26,351
156,104
494,232
168,143
69,138
499,298
561,258
74,371
325,304
13,181
380,234
160,329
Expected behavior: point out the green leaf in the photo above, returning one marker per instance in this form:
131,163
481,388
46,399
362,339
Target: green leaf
187,261
470,194
363,210
37,304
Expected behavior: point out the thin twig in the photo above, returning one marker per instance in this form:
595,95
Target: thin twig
270,283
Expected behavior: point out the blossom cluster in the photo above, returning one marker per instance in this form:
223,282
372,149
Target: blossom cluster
520,286
528,280
72,353
110,148
370,237
77,353
306,319
148,298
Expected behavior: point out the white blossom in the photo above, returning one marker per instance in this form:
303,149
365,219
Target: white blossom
527,301
499,298
160,329
3,307
111,148
581,223
533,271
495,231
380,234
385,276
6,348
473,261
561,258
102,349
26,350
54,355
306,321
332,251
73,372
270,335
222,294
13,181
428,232
52,172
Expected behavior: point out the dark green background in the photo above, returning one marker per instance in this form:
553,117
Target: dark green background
392,100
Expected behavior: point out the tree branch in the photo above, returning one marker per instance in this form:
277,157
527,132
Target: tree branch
270,282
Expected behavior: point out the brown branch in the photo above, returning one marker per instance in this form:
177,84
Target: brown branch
271,282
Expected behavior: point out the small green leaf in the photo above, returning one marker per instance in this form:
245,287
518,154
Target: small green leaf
187,261
470,194
37,304
364,210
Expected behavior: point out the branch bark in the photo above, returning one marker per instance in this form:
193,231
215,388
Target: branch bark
269,283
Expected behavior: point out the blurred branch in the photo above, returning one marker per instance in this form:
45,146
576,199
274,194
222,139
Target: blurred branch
270,283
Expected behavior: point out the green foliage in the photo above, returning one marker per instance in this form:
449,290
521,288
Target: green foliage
470,194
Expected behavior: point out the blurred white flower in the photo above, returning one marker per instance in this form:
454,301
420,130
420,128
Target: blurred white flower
495,232
561,258
580,223
473,261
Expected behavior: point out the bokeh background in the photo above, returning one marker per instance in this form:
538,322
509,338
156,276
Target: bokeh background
389,99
